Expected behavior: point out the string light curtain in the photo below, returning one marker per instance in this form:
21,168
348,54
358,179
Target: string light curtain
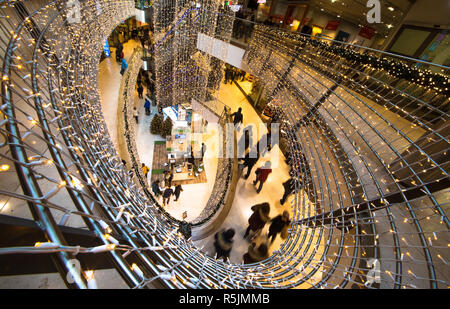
182,71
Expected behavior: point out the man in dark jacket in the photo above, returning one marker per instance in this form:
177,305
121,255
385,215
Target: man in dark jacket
223,243
277,225
155,188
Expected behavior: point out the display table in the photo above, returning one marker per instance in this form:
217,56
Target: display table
181,175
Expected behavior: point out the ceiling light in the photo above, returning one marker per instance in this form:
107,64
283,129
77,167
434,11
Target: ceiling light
391,8
389,26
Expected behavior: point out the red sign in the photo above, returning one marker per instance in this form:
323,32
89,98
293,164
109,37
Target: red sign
367,32
332,25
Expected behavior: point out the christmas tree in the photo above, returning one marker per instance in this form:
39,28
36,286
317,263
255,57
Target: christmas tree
167,127
156,126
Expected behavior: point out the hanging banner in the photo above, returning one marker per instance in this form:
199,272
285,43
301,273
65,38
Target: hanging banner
333,25
367,32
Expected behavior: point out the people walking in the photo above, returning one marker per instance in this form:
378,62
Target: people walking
258,219
166,195
155,188
262,173
224,243
178,190
256,254
277,225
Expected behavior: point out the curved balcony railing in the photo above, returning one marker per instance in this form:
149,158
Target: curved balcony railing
384,146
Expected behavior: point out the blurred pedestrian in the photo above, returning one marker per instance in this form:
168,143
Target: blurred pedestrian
250,159
237,116
289,187
224,243
256,254
278,225
258,219
262,173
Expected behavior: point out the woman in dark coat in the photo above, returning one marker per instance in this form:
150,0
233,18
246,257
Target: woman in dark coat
259,217
223,243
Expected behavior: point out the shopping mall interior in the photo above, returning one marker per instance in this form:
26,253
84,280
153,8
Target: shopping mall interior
241,144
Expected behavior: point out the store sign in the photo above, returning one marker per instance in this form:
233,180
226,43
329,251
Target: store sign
367,32
374,14
333,25
106,48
